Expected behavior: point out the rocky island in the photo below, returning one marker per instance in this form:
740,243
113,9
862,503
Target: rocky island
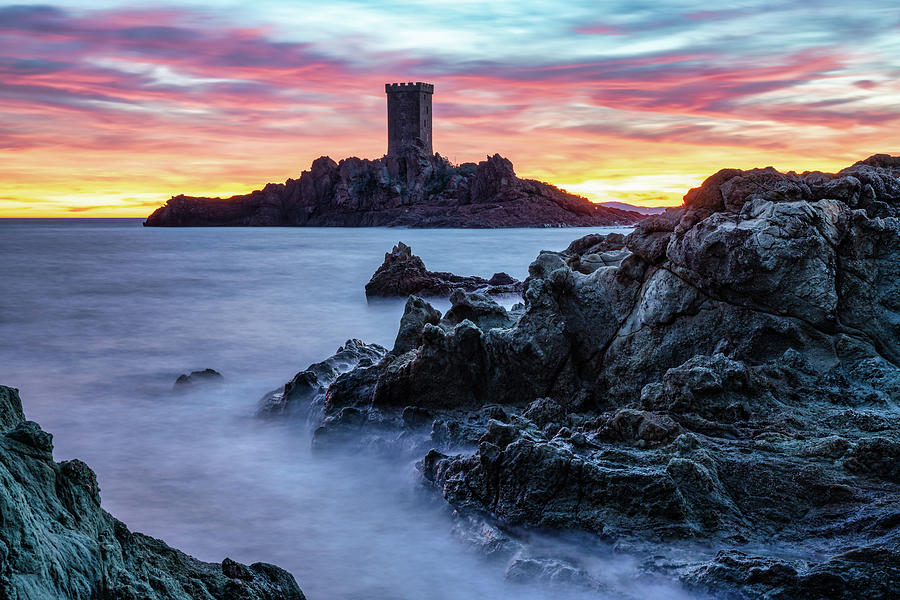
410,186
715,394
56,542
414,189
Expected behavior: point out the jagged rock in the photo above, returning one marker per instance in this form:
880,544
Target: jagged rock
628,424
545,411
10,408
868,572
204,376
461,352
594,251
652,235
765,273
297,395
550,481
712,387
478,309
728,373
31,435
415,315
404,274
56,541
679,474
410,190
235,570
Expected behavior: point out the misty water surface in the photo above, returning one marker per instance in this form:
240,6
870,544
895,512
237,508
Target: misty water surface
98,318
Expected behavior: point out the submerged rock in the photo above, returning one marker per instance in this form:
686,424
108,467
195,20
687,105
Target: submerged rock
204,376
411,190
404,274
728,373
57,542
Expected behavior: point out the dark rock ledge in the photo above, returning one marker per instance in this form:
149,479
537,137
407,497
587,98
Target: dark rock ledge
57,543
404,274
718,398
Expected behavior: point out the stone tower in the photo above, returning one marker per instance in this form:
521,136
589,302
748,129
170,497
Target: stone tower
409,116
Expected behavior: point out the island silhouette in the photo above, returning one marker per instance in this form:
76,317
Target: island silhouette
410,186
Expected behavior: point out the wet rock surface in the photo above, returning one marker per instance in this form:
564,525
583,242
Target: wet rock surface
716,392
404,274
299,394
411,190
57,542
198,377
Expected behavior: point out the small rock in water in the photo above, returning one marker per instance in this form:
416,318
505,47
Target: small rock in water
403,274
204,376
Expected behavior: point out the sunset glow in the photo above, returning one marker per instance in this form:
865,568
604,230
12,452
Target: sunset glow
108,111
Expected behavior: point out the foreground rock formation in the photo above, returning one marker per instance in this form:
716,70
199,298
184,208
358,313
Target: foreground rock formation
404,274
716,392
412,190
57,543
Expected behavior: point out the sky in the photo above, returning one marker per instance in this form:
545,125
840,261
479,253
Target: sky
108,108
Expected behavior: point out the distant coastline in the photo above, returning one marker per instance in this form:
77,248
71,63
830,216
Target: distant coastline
644,210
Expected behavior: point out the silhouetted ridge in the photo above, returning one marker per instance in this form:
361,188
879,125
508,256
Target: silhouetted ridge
412,190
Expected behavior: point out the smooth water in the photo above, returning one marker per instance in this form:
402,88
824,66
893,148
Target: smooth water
98,318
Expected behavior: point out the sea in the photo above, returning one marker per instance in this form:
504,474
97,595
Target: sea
98,317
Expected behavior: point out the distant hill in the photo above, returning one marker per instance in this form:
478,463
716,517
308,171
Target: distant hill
644,210
411,190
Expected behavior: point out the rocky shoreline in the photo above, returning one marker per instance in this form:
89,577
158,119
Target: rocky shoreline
726,378
57,542
714,395
414,189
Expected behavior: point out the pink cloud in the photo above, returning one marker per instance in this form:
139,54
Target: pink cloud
87,84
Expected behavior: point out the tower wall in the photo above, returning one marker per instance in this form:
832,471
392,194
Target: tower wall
409,115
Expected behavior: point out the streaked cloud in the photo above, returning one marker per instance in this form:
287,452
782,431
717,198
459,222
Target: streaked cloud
104,108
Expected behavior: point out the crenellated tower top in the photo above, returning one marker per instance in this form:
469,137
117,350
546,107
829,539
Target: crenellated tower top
418,86
409,116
